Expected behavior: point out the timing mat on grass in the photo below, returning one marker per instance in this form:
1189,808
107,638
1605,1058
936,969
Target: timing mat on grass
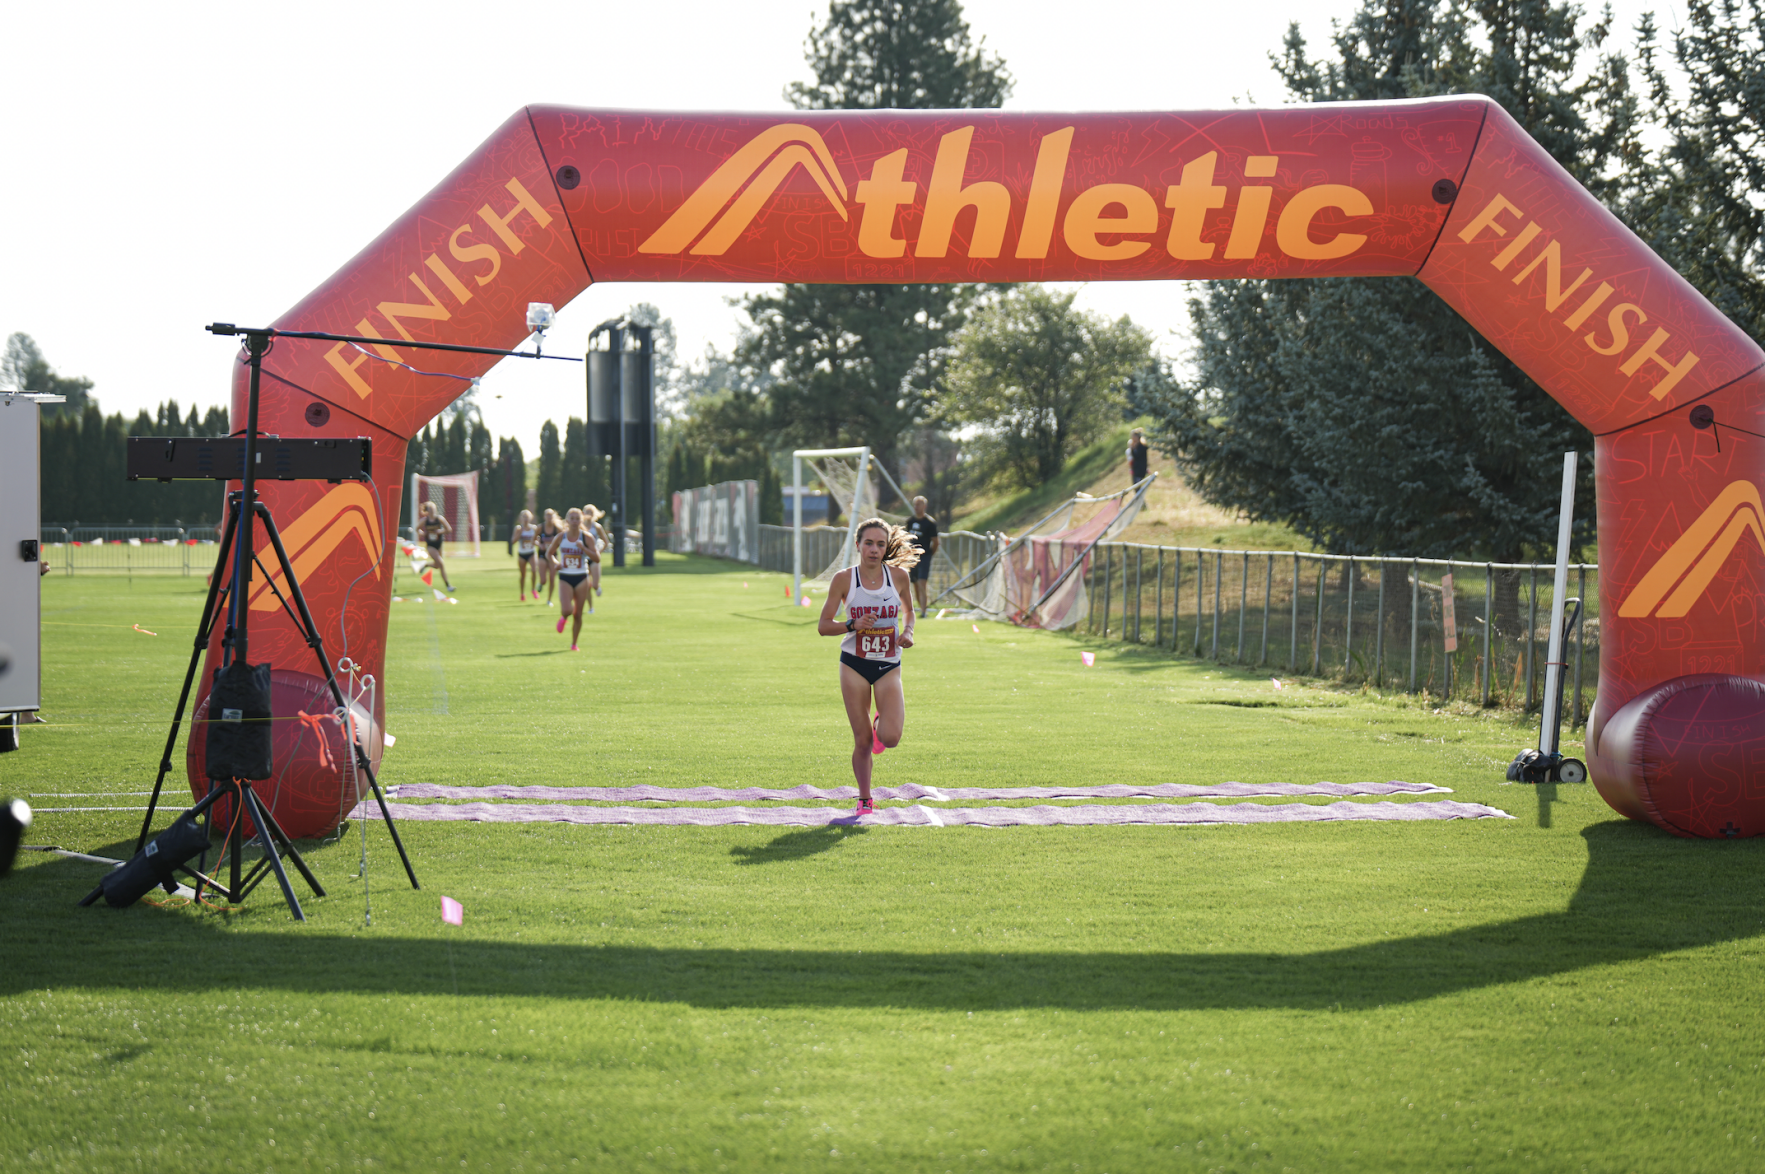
909,793
922,816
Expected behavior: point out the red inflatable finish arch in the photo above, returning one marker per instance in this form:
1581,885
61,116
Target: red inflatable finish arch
1448,190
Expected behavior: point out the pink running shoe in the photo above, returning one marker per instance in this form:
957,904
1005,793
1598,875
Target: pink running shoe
572,648
876,742
865,807
562,620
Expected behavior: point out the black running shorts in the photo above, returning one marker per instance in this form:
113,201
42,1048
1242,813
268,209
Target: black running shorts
871,670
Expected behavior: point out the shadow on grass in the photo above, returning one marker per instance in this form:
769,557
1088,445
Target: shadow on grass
1643,895
796,845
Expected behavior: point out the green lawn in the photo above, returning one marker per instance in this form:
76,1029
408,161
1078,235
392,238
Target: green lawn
1562,991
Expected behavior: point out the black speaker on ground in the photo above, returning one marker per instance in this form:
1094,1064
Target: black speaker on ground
239,725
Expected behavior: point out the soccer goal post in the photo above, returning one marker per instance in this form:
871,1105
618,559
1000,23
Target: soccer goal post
846,474
456,499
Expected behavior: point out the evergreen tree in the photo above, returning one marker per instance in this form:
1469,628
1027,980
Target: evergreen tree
1701,202
574,479
549,487
855,361
1299,381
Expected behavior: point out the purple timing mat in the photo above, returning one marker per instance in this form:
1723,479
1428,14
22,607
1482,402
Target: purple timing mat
909,792
921,816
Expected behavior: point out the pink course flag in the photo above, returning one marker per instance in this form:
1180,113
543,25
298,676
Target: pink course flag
1090,658
452,912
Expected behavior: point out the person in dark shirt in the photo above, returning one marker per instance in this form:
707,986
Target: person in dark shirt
923,529
1137,453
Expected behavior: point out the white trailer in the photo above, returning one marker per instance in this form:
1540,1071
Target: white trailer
21,611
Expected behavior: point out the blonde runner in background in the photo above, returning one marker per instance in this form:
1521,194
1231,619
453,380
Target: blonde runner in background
591,519
548,566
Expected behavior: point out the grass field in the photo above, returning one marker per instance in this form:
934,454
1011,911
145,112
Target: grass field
1562,991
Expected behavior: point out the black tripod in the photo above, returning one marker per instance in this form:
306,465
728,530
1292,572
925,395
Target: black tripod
242,508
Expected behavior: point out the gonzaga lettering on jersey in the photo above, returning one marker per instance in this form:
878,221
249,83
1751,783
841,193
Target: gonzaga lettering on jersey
574,553
883,607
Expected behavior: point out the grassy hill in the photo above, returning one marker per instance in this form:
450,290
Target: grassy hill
1174,514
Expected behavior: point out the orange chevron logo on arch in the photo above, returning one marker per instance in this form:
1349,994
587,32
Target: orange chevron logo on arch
315,535
766,160
1681,575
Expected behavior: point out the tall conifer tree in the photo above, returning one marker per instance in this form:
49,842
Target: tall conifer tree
1365,412
853,360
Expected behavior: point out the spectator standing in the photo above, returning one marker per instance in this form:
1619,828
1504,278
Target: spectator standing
922,528
1137,454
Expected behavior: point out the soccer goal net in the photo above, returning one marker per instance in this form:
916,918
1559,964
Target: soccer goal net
847,475
456,499
1037,580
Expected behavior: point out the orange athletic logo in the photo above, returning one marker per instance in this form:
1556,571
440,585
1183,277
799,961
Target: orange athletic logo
1690,563
348,509
767,160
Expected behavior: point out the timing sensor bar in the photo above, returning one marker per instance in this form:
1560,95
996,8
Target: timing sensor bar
222,458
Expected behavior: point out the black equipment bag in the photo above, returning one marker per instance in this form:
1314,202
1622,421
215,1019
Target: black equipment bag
239,726
154,864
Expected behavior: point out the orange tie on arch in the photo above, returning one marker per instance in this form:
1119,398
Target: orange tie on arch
311,721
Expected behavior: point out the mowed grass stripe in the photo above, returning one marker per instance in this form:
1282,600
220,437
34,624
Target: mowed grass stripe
1559,990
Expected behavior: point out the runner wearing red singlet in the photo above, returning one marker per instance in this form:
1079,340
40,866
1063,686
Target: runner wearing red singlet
875,596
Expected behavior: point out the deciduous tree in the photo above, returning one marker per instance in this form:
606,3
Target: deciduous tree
1041,378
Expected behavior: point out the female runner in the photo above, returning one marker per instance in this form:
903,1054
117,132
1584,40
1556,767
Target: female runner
526,541
591,518
573,551
548,566
875,595
434,528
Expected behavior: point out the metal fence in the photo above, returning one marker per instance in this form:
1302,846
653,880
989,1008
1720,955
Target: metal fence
958,552
128,550
1386,622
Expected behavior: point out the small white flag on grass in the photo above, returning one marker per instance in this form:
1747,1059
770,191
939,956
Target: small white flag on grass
1090,658
977,629
439,593
452,912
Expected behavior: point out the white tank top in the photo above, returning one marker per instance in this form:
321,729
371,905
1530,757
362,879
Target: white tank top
883,606
524,539
574,555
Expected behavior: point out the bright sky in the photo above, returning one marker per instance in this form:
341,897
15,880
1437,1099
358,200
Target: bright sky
177,165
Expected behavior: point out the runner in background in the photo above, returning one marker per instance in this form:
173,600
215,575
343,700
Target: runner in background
923,529
591,519
874,593
548,567
573,553
527,554
434,528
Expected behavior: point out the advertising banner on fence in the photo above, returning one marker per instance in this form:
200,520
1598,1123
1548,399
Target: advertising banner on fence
723,520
